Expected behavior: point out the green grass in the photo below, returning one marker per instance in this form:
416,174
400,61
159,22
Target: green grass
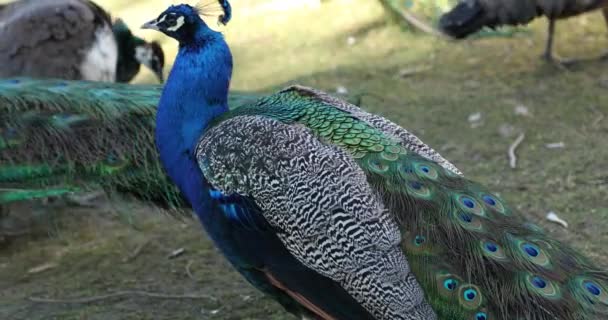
309,47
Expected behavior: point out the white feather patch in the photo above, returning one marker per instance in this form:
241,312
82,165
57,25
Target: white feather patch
178,24
100,61
144,55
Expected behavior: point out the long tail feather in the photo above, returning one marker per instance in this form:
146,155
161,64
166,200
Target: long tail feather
476,257
59,137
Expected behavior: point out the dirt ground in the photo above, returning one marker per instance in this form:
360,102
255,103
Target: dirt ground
469,100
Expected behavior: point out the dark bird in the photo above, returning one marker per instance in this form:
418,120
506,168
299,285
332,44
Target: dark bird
341,214
470,16
71,39
423,15
62,137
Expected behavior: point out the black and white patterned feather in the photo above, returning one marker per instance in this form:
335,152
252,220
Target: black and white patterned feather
328,216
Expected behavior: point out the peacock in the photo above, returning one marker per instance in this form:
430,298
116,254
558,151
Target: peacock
341,214
470,16
71,39
59,137
424,15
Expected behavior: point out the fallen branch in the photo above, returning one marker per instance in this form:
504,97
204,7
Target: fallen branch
512,148
118,294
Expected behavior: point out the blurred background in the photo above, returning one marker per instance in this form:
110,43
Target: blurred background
468,99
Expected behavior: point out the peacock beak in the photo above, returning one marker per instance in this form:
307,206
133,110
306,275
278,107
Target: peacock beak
150,25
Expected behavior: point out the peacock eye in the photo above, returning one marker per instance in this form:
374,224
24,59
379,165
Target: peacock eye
539,282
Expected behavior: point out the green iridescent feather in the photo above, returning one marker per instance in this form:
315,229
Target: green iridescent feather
59,137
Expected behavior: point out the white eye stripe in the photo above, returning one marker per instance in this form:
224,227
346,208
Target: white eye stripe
161,19
178,24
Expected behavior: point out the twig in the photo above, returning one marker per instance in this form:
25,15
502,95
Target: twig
188,272
512,147
136,252
18,233
117,294
176,253
43,267
415,22
411,19
404,73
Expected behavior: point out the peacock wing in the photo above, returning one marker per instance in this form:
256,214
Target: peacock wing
323,211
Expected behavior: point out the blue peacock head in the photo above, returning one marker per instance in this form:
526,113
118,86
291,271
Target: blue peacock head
183,21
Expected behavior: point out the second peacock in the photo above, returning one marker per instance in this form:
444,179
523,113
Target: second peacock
470,16
73,40
341,214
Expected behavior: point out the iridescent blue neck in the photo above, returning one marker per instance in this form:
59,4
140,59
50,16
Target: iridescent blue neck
195,93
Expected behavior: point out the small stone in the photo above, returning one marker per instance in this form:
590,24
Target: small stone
555,145
475,119
522,110
341,90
